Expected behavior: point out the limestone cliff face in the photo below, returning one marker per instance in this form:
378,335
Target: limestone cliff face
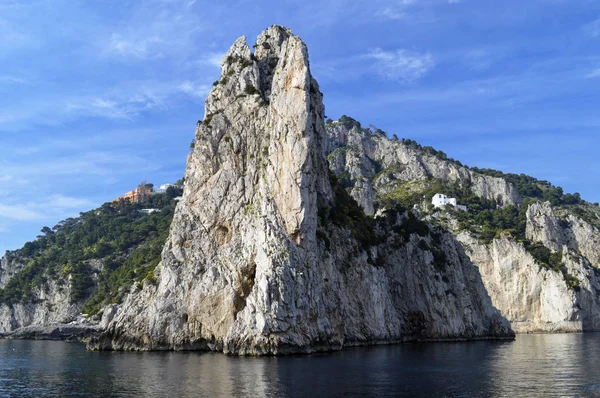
254,263
8,268
534,298
567,233
51,306
364,154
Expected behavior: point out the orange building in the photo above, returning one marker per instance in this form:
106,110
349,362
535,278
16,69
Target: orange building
139,194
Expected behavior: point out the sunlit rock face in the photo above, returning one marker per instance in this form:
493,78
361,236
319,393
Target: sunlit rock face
373,162
256,263
532,297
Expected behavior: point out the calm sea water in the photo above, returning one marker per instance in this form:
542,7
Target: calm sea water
534,365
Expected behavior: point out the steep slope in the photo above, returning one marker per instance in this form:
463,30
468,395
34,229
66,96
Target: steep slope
376,165
537,253
81,265
268,254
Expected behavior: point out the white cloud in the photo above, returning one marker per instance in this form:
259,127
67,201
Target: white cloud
402,65
154,29
10,79
593,28
454,1
13,38
63,202
395,12
194,89
212,58
593,74
146,48
19,212
115,108
391,13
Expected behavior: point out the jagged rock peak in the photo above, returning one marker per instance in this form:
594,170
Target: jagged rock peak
248,216
263,258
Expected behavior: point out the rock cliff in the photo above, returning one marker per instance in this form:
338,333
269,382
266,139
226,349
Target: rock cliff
273,249
50,303
8,269
531,295
534,298
269,255
51,306
374,163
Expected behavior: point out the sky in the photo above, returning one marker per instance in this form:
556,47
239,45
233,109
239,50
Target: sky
97,96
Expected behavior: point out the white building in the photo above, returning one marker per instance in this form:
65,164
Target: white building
163,188
440,200
149,211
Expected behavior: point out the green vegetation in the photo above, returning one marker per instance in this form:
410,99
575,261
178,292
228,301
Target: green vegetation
428,150
126,242
530,187
251,90
411,225
485,219
243,61
348,213
348,122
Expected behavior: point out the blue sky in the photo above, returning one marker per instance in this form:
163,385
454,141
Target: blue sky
96,96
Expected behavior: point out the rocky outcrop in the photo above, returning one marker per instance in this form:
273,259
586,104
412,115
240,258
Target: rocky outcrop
533,297
79,329
569,232
8,268
373,163
51,305
265,254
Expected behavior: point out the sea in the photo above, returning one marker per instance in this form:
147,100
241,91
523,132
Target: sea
544,365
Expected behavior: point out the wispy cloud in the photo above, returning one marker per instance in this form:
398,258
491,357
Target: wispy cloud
11,79
19,212
593,74
12,38
212,58
63,202
391,13
115,108
395,12
194,89
141,48
402,65
593,28
155,29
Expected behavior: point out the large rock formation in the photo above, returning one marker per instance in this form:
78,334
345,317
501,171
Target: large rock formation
567,233
51,303
534,298
374,162
266,254
8,269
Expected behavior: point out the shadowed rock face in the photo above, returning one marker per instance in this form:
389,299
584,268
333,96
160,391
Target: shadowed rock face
253,264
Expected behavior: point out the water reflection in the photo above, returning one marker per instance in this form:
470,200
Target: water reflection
535,365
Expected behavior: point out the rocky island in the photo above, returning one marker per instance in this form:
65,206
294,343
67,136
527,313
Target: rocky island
296,234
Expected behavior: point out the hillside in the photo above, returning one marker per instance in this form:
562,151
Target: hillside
83,263
535,245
